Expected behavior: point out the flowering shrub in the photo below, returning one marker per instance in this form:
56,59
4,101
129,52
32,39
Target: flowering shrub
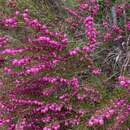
42,83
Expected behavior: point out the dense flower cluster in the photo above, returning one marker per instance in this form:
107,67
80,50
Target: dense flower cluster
19,62
11,22
108,113
13,51
91,32
35,24
91,5
49,114
51,82
89,95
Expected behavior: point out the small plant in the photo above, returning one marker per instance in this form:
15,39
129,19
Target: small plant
42,72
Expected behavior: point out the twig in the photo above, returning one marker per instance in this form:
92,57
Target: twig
111,77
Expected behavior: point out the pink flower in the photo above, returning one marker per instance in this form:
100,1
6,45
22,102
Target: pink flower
83,6
124,81
128,25
47,128
7,70
96,71
107,37
101,121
